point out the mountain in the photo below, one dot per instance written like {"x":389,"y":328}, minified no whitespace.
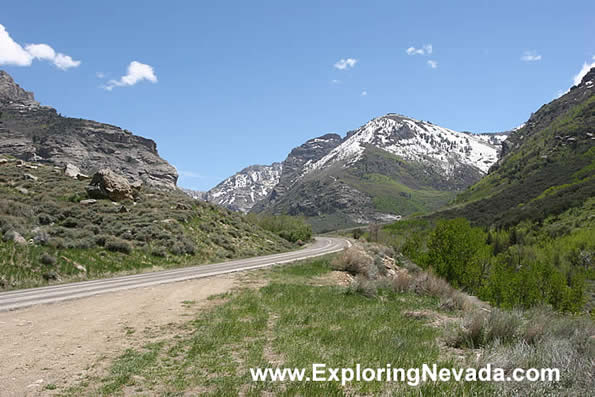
{"x":547,"y":165}
{"x":242,"y":190}
{"x":393,"y":165}
{"x":195,"y":194}
{"x":38,"y":133}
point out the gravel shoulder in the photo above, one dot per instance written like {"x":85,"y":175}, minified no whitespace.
{"x":57,"y":344}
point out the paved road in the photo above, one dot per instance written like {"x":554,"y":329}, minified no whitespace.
{"x":34,"y":296}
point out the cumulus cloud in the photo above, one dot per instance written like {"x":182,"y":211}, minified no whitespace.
{"x":364,"y":93}
{"x":530,"y":56}
{"x":432,"y":64}
{"x":12,"y":53}
{"x":47,"y":53}
{"x":137,"y":72}
{"x":584,"y":70}
{"x":343,"y":64}
{"x":426,"y":49}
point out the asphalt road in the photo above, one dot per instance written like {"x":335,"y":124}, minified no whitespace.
{"x":13,"y":300}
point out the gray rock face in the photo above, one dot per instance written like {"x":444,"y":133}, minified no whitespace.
{"x":11,"y":92}
{"x":299,"y":158}
{"x":37,"y":133}
{"x":108,"y":185}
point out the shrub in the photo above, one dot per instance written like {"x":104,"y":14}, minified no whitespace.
{"x":115,"y":244}
{"x":363,"y":286}
{"x":402,"y":282}
{"x":48,"y":259}
{"x":355,"y":261}
{"x":287,"y":227}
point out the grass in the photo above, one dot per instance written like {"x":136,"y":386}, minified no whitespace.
{"x":297,"y":320}
{"x":291,"y":322}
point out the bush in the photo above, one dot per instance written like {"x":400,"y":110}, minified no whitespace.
{"x":355,"y":261}
{"x":287,"y":227}
{"x":115,"y":244}
{"x":363,"y":286}
{"x":48,"y":259}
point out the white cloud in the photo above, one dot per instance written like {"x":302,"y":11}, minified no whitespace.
{"x":364,"y":93}
{"x":426,"y":49}
{"x":100,"y":75}
{"x":136,"y":72}
{"x":335,"y":81}
{"x":47,"y":53}
{"x":11,"y":53}
{"x":584,"y":70}
{"x":65,"y":62}
{"x":530,"y":56}
{"x":343,"y":64}
{"x":433,"y":64}
{"x":41,"y":51}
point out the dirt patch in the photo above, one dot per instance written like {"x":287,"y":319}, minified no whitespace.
{"x":434,"y":319}
{"x":58,"y":344}
{"x":335,"y":277}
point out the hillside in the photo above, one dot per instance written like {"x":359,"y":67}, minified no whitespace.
{"x":38,"y":133}
{"x":51,"y":231}
{"x":390,"y":167}
{"x":547,"y":166}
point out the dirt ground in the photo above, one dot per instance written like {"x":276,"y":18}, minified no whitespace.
{"x":58,"y":344}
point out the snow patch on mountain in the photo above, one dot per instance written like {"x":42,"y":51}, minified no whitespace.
{"x":414,"y":140}
{"x":242,"y":190}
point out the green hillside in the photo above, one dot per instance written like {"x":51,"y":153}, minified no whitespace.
{"x":549,"y":168}
{"x":51,"y":234}
{"x":524,"y":235}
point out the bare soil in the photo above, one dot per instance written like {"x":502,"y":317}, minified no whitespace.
{"x":59,"y":344}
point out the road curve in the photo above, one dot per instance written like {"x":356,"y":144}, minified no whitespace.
{"x":13,"y":300}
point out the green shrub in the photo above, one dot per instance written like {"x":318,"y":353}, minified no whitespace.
{"x":115,"y":244}
{"x":290,"y":228}
{"x":48,"y":259}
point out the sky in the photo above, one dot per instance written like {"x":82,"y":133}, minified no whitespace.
{"x":223,"y":85}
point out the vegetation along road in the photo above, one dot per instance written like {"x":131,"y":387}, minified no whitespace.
{"x":28,"y":297}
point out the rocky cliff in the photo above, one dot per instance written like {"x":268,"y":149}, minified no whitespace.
{"x":33,"y":132}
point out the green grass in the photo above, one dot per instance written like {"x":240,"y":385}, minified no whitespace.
{"x":292,"y":322}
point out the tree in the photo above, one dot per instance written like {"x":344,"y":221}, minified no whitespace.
{"x":454,"y":252}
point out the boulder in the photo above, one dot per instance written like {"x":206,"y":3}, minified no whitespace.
{"x":14,"y":236}
{"x":87,"y":202}
{"x":29,"y":176}
{"x":106,"y":184}
{"x":71,"y":170}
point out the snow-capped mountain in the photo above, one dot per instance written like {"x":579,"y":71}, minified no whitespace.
{"x":393,"y":165}
{"x":415,"y":140}
{"x":241,"y":191}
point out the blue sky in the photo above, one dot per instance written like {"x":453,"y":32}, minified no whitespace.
{"x":223,"y":85}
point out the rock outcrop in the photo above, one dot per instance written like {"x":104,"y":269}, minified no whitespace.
{"x":106,"y":184}
{"x":32,"y":132}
